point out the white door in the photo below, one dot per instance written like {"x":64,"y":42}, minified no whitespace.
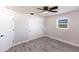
{"x":21,"y":31}
{"x":36,"y":26}
{"x":6,"y":33}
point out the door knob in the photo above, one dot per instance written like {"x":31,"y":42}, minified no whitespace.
{"x":2,"y":35}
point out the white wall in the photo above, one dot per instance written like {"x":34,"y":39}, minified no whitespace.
{"x":69,"y":35}
{"x":28,"y":27}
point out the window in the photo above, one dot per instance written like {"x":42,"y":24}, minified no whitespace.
{"x":63,"y":23}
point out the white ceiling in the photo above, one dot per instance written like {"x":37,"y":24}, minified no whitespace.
{"x":32,"y":9}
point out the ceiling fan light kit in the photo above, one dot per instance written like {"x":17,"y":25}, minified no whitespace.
{"x":46,"y":12}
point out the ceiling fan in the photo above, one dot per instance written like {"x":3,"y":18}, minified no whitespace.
{"x":47,"y":9}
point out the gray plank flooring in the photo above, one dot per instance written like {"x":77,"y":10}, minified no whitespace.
{"x":44,"y":44}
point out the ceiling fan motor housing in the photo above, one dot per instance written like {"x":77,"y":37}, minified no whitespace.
{"x":46,"y":8}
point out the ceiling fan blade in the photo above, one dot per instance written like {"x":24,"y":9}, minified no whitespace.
{"x":40,"y":12}
{"x":39,"y":8}
{"x":53,"y":11}
{"x":55,"y":7}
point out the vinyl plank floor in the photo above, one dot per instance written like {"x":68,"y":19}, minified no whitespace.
{"x":44,"y":44}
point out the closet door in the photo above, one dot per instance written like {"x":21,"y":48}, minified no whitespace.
{"x":36,"y":27}
{"x":21,"y":31}
{"x":6,"y":33}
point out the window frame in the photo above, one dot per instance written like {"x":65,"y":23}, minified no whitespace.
{"x":57,"y":23}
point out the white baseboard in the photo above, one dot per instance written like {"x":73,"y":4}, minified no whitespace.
{"x":17,"y":43}
{"x":68,"y":42}
{"x":7,"y":49}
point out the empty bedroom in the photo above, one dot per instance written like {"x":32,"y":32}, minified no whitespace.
{"x":39,"y":29}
